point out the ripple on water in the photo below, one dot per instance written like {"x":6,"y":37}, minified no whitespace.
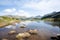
{"x":45,"y":30}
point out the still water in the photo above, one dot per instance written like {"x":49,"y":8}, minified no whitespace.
{"x":45,"y":30}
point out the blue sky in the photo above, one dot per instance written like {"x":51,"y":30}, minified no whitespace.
{"x":28,"y":7}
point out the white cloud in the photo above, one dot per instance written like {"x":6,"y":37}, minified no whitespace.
{"x":9,"y":10}
{"x":45,"y":6}
{"x":23,"y":13}
{"x":13,"y":11}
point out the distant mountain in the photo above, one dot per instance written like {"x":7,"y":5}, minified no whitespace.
{"x":52,"y":15}
{"x":34,"y":18}
{"x":38,"y":16}
{"x":15,"y":16}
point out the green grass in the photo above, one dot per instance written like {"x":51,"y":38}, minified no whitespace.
{"x":7,"y":21}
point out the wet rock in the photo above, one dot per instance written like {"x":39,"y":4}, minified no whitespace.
{"x":58,"y":36}
{"x":12,"y":32}
{"x":53,"y":38}
{"x":22,"y":26}
{"x":21,"y":39}
{"x":23,"y":35}
{"x":4,"y":39}
{"x":35,"y":31}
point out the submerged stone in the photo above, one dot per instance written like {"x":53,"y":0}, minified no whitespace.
{"x":23,"y":35}
{"x":12,"y":32}
{"x":22,"y":26}
{"x":4,"y":39}
{"x":35,"y":31}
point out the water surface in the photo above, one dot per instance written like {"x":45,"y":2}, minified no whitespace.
{"x":45,"y":30}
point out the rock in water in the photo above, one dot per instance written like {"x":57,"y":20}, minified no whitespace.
{"x":58,"y":36}
{"x":22,"y":26}
{"x":12,"y":32}
{"x":23,"y":35}
{"x":35,"y":31}
{"x":4,"y":39}
{"x":54,"y":38}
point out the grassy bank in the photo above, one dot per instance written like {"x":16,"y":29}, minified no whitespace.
{"x":2,"y":24}
{"x":4,"y":21}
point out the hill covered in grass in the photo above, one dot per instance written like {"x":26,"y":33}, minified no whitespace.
{"x":54,"y":16}
{"x":6,"y":20}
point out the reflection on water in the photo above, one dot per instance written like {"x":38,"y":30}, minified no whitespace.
{"x":45,"y":31}
{"x":54,"y":23}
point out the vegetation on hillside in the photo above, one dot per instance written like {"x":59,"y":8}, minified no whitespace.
{"x":54,"y":16}
{"x":5,"y":20}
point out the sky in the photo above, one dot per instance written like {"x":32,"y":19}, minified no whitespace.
{"x":28,"y":8}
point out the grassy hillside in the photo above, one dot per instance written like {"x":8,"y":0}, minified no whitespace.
{"x":5,"y":20}
{"x":54,"y":16}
